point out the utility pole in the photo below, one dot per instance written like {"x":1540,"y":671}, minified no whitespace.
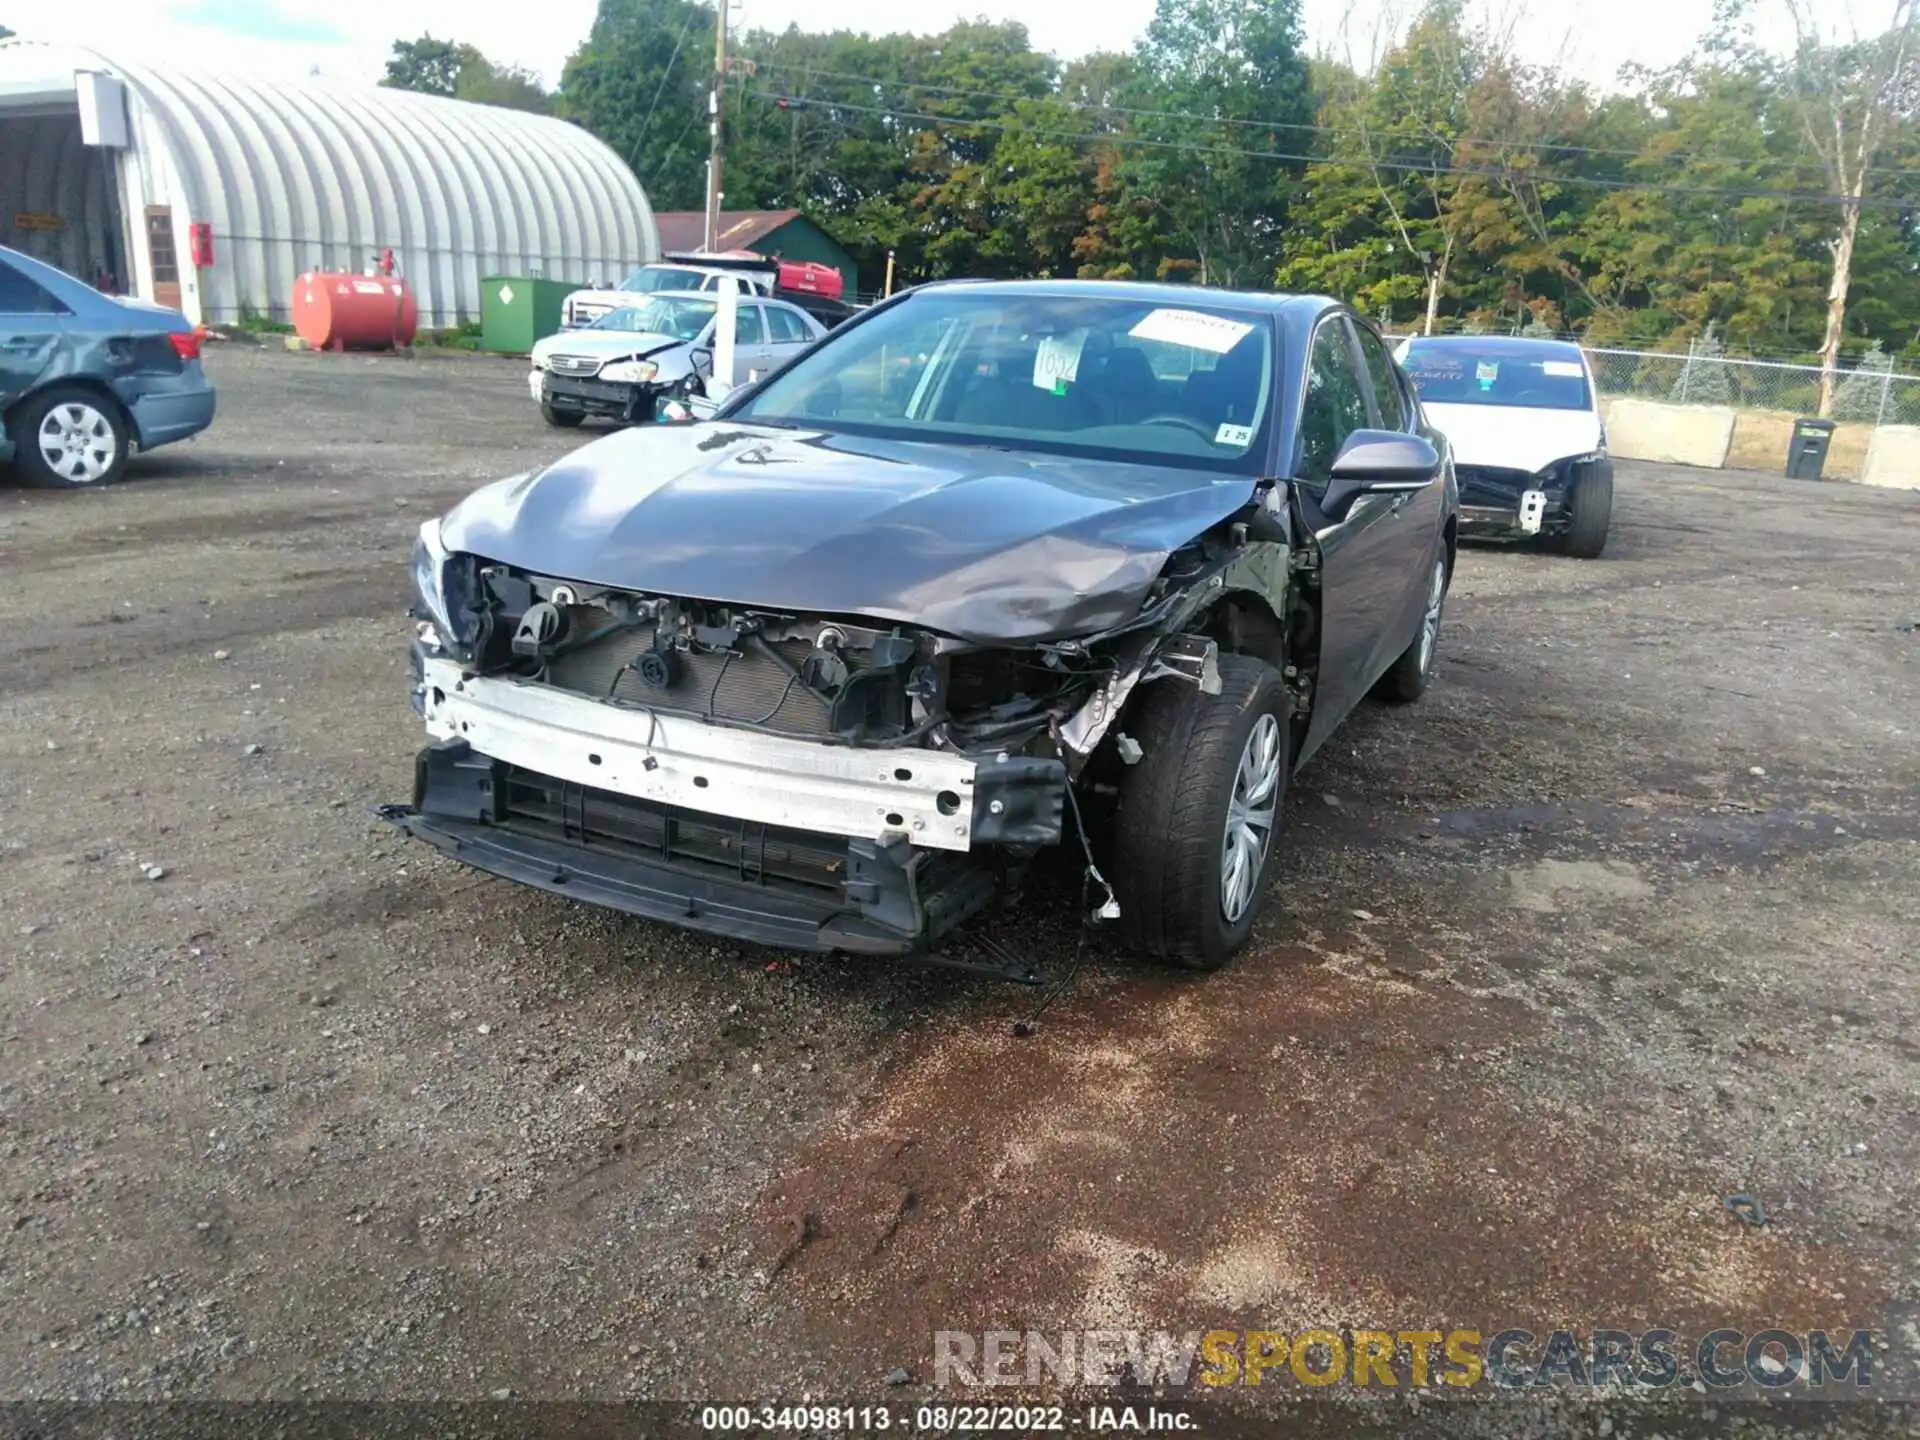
{"x":713,"y":112}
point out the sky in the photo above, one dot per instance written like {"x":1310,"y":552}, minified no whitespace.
{"x":348,"y":39}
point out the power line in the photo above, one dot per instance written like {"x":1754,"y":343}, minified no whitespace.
{"x":1402,"y":166}
{"x":1008,"y":97}
{"x":685,"y":29}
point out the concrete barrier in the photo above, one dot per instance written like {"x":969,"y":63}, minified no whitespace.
{"x":1893,"y":460}
{"x":1760,"y":439}
{"x":1670,"y":434}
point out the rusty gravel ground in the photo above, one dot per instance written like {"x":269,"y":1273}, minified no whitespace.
{"x":1620,"y":919}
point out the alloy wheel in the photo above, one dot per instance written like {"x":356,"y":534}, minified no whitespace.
{"x":1250,"y":815}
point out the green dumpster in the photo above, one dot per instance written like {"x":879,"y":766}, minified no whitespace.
{"x":516,"y":310}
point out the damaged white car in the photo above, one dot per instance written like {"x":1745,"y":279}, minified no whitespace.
{"x":1529,"y":443}
{"x":993,"y":568}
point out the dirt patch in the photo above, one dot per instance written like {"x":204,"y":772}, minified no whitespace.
{"x":1291,"y":1145}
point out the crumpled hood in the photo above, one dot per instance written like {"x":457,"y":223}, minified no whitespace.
{"x":977,"y":543}
{"x":1515,"y":437}
{"x":602,"y":344}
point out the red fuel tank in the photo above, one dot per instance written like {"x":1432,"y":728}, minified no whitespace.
{"x":367,"y":312}
{"x":810,"y":277}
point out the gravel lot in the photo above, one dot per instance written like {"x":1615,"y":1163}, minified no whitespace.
{"x":1621,"y":919}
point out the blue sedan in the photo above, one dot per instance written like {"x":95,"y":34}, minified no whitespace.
{"x":85,"y":378}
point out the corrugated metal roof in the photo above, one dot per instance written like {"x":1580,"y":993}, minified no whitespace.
{"x":686,"y":230}
{"x":314,"y":174}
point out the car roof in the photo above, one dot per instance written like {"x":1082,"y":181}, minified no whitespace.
{"x":1501,"y":344}
{"x":1152,"y":292}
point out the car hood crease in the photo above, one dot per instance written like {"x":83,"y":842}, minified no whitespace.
{"x":981,"y":544}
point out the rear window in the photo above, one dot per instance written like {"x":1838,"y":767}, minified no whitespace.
{"x":1524,"y":376}
{"x":21,"y":296}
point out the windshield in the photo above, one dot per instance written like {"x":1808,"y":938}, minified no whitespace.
{"x":1534,"y":377}
{"x":1082,"y":375}
{"x":681,"y":317}
{"x":649,"y":279}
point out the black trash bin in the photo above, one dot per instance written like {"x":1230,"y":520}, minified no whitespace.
{"x":1807,"y":450}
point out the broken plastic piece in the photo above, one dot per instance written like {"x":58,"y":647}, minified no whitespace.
{"x":1129,"y":748}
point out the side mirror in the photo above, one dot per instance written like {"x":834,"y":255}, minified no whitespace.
{"x":701,"y":359}
{"x":1378,"y":462}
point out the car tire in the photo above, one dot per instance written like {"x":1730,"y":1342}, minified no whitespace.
{"x":1180,"y":899}
{"x":1589,"y":512}
{"x":560,"y":419}
{"x":1407,"y":679}
{"x":69,"y":438}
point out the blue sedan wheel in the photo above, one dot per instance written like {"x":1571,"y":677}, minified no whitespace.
{"x":71,"y":437}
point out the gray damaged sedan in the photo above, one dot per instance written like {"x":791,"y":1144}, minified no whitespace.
{"x":86,"y":379}
{"x":993,"y":568}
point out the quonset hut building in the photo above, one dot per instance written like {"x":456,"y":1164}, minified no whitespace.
{"x":107,"y":167}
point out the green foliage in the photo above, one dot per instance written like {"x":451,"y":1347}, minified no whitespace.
{"x":430,"y":66}
{"x":253,"y":322}
{"x":1451,"y":175}
{"x":1860,"y":394}
{"x":639,"y":81}
{"x":455,"y":71}
{"x":1704,"y":379}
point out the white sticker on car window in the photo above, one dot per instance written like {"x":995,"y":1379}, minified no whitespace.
{"x":1233,"y":435}
{"x":1056,"y":364}
{"x":1486,"y":372}
{"x":1192,"y":329}
{"x":1567,"y":369}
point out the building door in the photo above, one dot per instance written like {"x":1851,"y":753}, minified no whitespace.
{"x":165,"y":258}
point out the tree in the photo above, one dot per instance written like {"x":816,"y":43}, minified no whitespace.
{"x":1704,"y":379}
{"x":1862,"y":393}
{"x":508,"y":86}
{"x":1850,"y":92}
{"x":1215,"y":74}
{"x":458,"y":71}
{"x":1403,"y":178}
{"x":430,"y":66}
{"x":639,"y":81}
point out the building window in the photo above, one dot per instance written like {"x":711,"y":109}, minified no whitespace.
{"x":166,"y":264}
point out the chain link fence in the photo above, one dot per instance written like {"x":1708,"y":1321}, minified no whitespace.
{"x":1870,"y":395}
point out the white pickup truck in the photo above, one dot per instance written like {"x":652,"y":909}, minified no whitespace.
{"x":815,"y":288}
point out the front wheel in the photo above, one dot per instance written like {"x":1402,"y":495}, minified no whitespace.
{"x":71,"y":437}
{"x":1589,"y":513}
{"x":562,"y":419}
{"x":1194,"y":825}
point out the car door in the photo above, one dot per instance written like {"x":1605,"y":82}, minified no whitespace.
{"x":751,"y":352}
{"x":1422,"y":514}
{"x":788,"y":334}
{"x":31,"y":333}
{"x":1361,"y":552}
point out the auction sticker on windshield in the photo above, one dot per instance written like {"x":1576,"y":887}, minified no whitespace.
{"x":1056,"y":364}
{"x":1567,"y":369}
{"x":1192,"y":329}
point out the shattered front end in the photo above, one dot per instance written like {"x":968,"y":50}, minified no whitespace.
{"x":812,"y":782}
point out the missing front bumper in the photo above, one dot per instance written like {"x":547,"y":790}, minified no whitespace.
{"x":776,"y":839}
{"x":746,"y":880}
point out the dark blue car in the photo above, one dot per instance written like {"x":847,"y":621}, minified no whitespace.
{"x":86,"y":379}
